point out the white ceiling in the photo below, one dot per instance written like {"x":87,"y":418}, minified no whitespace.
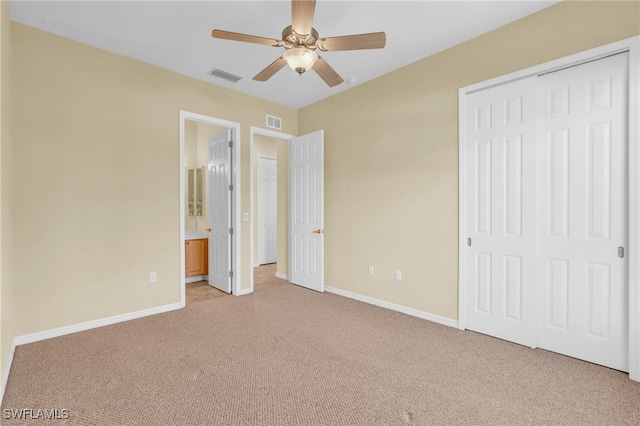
{"x":176,"y":35}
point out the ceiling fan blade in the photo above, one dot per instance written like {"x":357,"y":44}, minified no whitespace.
{"x":353,"y":42}
{"x":302,"y":15}
{"x":228,"y":35}
{"x":269,"y":71}
{"x":327,"y":73}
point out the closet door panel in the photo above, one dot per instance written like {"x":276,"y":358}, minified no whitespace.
{"x":582,"y":189}
{"x":500,"y":199}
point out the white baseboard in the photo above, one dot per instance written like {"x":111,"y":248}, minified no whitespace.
{"x":244,"y":291}
{"x":282,"y":276}
{"x":196,"y":279}
{"x":69,"y":329}
{"x":398,"y":308}
{"x":5,"y":377}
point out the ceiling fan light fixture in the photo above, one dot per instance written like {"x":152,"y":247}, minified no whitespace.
{"x":300,"y":59}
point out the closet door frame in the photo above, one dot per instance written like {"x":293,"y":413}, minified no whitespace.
{"x":631,"y":45}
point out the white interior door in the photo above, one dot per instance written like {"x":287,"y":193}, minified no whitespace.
{"x":582,"y":149}
{"x":500,"y":201}
{"x":306,"y":246}
{"x":219,"y":173}
{"x":267,"y":210}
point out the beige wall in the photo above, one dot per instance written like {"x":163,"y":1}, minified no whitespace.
{"x":391,"y":153}
{"x":95,"y":178}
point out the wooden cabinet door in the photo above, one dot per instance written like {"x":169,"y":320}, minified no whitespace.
{"x":196,"y":257}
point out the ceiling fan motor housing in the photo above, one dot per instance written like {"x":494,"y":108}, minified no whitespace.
{"x":292,"y":39}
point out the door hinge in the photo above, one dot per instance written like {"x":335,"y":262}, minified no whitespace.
{"x":230,"y":274}
{"x":231,"y":187}
{"x":230,"y":144}
{"x":230,"y":231}
{"x":620,"y":252}
{"x":469,"y":241}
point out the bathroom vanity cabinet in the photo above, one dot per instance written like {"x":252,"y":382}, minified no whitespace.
{"x":196,"y":257}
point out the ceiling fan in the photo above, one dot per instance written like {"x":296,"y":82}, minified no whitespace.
{"x":301,"y":40}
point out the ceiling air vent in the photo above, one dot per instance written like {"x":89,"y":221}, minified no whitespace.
{"x":224,"y":75}
{"x":274,"y":122}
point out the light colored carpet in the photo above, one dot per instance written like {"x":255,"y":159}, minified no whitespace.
{"x":201,"y":290}
{"x":290,"y":356}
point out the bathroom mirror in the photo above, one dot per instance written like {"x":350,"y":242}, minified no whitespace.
{"x":199,"y":191}
{"x":191,"y":196}
{"x":195,"y":191}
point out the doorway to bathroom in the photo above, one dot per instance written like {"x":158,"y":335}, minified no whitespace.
{"x":208,"y":205}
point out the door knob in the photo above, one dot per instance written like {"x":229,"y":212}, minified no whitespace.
{"x":207,"y":229}
{"x":317,"y":231}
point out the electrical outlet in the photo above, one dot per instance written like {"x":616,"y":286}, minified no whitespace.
{"x":370,"y":269}
{"x":153,"y":277}
{"x":398,"y":275}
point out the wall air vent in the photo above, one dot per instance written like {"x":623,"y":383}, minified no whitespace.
{"x":274,"y":122}
{"x":224,"y":75}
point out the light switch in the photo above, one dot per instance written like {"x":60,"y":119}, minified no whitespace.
{"x":246,"y":217}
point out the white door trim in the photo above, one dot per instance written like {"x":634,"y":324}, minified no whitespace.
{"x":235,"y":198}
{"x":252,"y":220}
{"x":631,"y":45}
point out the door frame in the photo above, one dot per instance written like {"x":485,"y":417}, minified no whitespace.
{"x":253,"y":130}
{"x":260,"y":249}
{"x":631,"y":45}
{"x":235,"y":197}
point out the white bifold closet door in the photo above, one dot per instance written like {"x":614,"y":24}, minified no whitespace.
{"x":546,"y":201}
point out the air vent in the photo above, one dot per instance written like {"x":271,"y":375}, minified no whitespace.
{"x":274,"y":122}
{"x":224,"y":75}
